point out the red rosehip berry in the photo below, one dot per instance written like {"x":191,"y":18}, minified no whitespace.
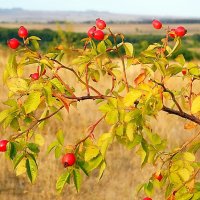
{"x":156,"y":24}
{"x":158,"y":176}
{"x":147,"y":198}
{"x":23,"y":32}
{"x":180,"y":31}
{"x":3,"y":144}
{"x":91,"y":31}
{"x":99,"y":35}
{"x":68,"y":159}
{"x":35,"y":76}
{"x":101,"y":24}
{"x":184,"y":71}
{"x":13,"y":43}
{"x":172,"y":33}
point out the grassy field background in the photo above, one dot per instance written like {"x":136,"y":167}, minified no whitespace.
{"x":123,"y":173}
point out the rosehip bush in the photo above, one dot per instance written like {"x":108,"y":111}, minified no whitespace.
{"x":127,"y":106}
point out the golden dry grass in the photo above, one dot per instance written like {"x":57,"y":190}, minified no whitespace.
{"x":122,"y":175}
{"x":119,"y":28}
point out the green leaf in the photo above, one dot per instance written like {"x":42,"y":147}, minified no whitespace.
{"x":148,"y":188}
{"x":12,"y":150}
{"x":128,"y":48}
{"x":18,"y":158}
{"x":60,"y":137}
{"x":31,"y":169}
{"x":176,"y":46}
{"x":58,"y":151}
{"x":180,"y":59}
{"x":184,"y":174}
{"x":130,"y":130}
{"x":101,"y":171}
{"x":32,"y":103}
{"x":104,"y":141}
{"x":48,"y":94}
{"x":112,"y":117}
{"x":33,"y":147}
{"x":39,"y":139}
{"x":77,"y":179}
{"x":35,"y":44}
{"x":93,"y":164}
{"x":33,"y":38}
{"x":91,"y":152}
{"x":189,"y":156}
{"x":4,"y":114}
{"x":131,"y":97}
{"x":56,"y":83}
{"x":195,"y":105}
{"x":62,"y":180}
{"x":52,"y":146}
{"x":101,"y":47}
{"x":81,"y":164}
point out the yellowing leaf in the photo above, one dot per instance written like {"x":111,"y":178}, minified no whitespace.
{"x":91,"y":152}
{"x":32,"y":103}
{"x":131,"y":97}
{"x":196,"y":105}
{"x":190,"y":125}
{"x":139,"y":79}
{"x":128,"y":48}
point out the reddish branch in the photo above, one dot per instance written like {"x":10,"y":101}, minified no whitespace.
{"x":90,"y":135}
{"x":78,"y":77}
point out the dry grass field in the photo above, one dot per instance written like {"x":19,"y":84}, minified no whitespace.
{"x":122,"y":174}
{"x":122,"y":28}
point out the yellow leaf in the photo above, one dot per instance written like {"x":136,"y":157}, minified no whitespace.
{"x":196,"y":105}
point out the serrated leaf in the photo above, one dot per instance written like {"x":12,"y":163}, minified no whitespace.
{"x":180,"y":59}
{"x":93,"y":164}
{"x":101,"y":171}
{"x":91,"y":152}
{"x":101,"y":47}
{"x":17,"y":85}
{"x":130,"y":130}
{"x":104,"y":141}
{"x":31,"y":169}
{"x":128,"y":48}
{"x":60,"y":136}
{"x":11,"y":150}
{"x":131,"y":97}
{"x":112,"y":117}
{"x":18,"y":158}
{"x":21,"y":167}
{"x":33,"y":38}
{"x":32,"y":103}
{"x":33,"y":147}
{"x":52,"y":146}
{"x":195,"y":105}
{"x":77,"y":179}
{"x":56,"y":83}
{"x":39,"y":139}
{"x":189,"y":156}
{"x":62,"y":180}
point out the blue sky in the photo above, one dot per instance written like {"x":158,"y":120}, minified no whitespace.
{"x":185,"y":8}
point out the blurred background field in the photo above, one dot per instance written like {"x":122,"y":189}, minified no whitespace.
{"x":123,"y":173}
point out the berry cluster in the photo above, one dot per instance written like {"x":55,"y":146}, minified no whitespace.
{"x":22,"y":33}
{"x":95,"y":33}
{"x":174,"y":32}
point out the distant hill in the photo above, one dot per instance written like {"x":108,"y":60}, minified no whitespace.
{"x":20,"y":15}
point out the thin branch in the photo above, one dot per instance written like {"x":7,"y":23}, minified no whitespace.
{"x":171,"y":93}
{"x":181,"y":114}
{"x":78,"y":77}
{"x":35,"y":123}
{"x":91,"y":128}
